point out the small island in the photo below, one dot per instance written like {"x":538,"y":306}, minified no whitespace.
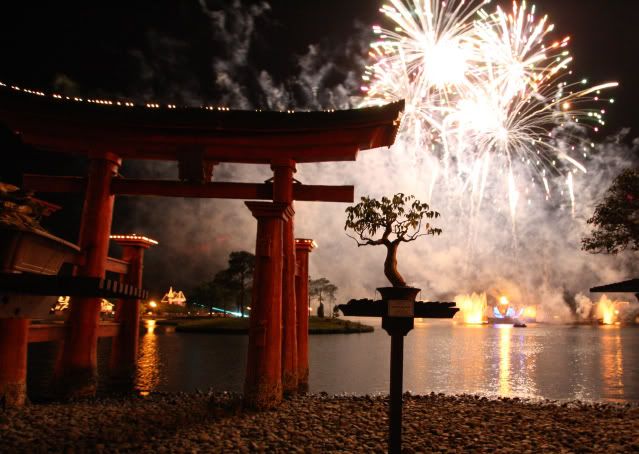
{"x":237,"y":325}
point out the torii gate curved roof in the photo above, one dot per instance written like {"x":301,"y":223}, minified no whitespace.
{"x":74,"y":125}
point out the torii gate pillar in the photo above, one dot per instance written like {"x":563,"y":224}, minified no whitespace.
{"x":76,"y":371}
{"x":303,"y":247}
{"x":14,"y":334}
{"x":283,"y":170}
{"x":263,"y":383}
{"x":124,"y":349}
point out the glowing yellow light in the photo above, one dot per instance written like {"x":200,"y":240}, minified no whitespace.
{"x":153,"y":304}
{"x":607,"y":310}
{"x":530,"y":312}
{"x":472,"y":308}
{"x":133,"y":237}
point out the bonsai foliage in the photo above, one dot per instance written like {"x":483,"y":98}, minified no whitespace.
{"x":616,"y":219}
{"x":401,"y":219}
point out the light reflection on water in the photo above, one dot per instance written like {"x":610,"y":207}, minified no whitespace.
{"x":505,"y":373}
{"x":612,"y":363}
{"x":147,"y":377}
{"x":599,"y":363}
{"x":541,"y":361}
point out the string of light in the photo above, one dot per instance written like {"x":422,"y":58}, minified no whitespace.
{"x":127,"y":103}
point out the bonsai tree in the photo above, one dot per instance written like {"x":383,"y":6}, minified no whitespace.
{"x":616,"y":218}
{"x":399,"y":220}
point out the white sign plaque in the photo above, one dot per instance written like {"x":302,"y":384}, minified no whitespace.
{"x":401,"y":308}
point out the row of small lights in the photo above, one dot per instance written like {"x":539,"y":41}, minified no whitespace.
{"x":133,"y":238}
{"x":108,"y":102}
{"x":306,"y":241}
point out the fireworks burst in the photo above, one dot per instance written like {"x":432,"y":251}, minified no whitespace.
{"x":486,"y":93}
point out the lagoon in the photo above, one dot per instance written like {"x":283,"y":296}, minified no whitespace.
{"x":556,"y":362}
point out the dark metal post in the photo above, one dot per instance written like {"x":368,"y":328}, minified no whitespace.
{"x":396,"y":379}
{"x":398,"y":310}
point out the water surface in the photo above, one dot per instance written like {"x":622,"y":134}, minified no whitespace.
{"x":596,"y":363}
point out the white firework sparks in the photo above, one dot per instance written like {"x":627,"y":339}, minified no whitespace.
{"x":484,"y":91}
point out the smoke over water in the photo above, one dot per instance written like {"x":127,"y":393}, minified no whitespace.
{"x":534,"y":258}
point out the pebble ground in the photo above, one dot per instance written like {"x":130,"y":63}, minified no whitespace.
{"x":215,"y":423}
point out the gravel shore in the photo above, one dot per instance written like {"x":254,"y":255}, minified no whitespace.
{"x":203,"y":422}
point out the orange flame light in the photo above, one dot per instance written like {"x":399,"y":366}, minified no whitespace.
{"x":529,"y":313}
{"x":472,"y":308}
{"x":607,"y":311}
{"x":503,"y":305}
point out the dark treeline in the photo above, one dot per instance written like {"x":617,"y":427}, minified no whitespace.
{"x":230,"y":288}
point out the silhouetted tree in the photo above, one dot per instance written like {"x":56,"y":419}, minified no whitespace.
{"x":215,"y":293}
{"x":616,"y":219}
{"x":241,"y":267}
{"x":231,"y":284}
{"x":398,"y":220}
{"x":322,"y":289}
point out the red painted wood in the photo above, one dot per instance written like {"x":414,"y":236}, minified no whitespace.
{"x":283,"y":193}
{"x":49,"y":332}
{"x":117,"y":266}
{"x":125,"y":345}
{"x":244,"y":191}
{"x":302,"y":249}
{"x":289,"y":313}
{"x":223,"y":136}
{"x":47,"y":183}
{"x":14,"y":333}
{"x":76,"y":371}
{"x":263,"y":382}
{"x":54,"y":332}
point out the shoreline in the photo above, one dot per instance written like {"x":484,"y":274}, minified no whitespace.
{"x":215,"y":422}
{"x":239,"y":326}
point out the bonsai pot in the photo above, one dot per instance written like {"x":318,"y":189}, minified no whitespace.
{"x":399,"y":293}
{"x":30,"y":251}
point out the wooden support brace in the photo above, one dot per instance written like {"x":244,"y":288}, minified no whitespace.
{"x":215,"y":190}
{"x":40,"y":284}
{"x":54,"y":332}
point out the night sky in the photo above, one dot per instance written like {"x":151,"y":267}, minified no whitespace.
{"x":110,"y":51}
{"x":166,"y":51}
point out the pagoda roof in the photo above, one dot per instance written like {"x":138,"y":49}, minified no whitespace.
{"x":168,"y":132}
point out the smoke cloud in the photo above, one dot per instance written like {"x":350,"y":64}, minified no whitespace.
{"x":534,"y":258}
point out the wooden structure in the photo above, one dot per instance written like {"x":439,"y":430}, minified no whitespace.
{"x":124,"y":350}
{"x":303,"y":247}
{"x":28,"y":281}
{"x":197,"y":139}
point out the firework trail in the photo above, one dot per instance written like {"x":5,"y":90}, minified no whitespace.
{"x":487,"y":95}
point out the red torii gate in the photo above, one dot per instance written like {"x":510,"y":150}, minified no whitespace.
{"x":106,"y":132}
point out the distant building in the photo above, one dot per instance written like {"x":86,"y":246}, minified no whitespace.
{"x":173,"y":297}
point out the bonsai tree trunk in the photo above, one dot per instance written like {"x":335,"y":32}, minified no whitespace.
{"x":390,"y":265}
